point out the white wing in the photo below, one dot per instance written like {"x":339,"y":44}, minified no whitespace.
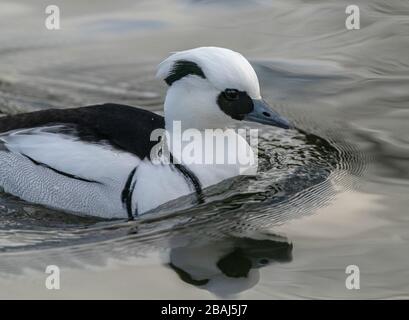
{"x":67,"y":153}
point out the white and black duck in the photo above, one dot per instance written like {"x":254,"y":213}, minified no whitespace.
{"x":95,"y":160}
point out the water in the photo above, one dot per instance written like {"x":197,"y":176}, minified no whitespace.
{"x":331,"y":194}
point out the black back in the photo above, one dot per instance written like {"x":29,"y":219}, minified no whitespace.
{"x":124,"y":127}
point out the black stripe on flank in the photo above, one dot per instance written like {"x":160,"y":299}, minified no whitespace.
{"x":58,"y":171}
{"x":126,"y":195}
{"x":192,"y":180}
{"x":183,"y":68}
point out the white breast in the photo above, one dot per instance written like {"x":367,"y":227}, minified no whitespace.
{"x":156,"y":185}
{"x":213,"y":162}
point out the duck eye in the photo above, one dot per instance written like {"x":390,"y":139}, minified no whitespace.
{"x":231,"y":94}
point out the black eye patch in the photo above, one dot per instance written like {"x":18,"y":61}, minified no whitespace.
{"x":235,"y":103}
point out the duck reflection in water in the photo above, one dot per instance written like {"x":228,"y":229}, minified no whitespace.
{"x":228,"y":266}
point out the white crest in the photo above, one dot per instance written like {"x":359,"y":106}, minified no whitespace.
{"x":223,"y":68}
